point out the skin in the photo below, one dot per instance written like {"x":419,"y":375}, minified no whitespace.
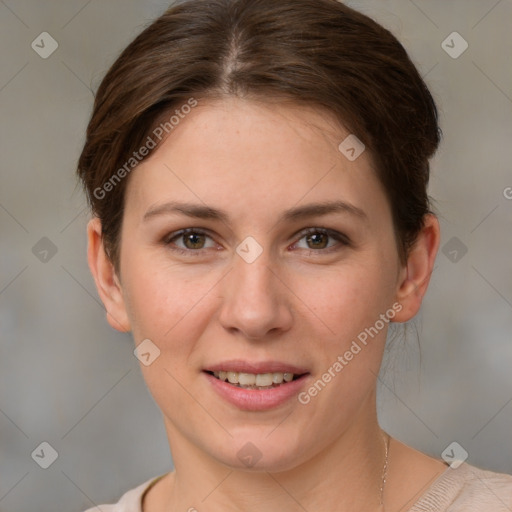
{"x":297,"y":302}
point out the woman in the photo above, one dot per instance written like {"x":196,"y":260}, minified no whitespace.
{"x":257,"y":172}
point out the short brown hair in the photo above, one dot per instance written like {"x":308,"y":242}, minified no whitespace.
{"x":318,"y":52}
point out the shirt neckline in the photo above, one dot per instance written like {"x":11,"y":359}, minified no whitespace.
{"x":146,"y":490}
{"x":449,"y":474}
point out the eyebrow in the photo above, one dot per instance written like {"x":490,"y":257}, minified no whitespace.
{"x":300,"y":212}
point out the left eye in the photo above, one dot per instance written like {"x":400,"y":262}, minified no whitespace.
{"x":318,"y":238}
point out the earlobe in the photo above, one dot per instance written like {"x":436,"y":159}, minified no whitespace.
{"x":415,"y":275}
{"x":107,"y":282}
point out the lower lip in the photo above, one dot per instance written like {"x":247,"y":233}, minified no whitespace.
{"x":254,"y":399}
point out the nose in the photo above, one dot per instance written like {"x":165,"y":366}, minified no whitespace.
{"x":256,"y":301}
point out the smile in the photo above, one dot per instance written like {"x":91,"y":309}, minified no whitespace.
{"x":255,"y":380}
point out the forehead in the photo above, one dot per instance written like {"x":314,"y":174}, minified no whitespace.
{"x":254,"y":158}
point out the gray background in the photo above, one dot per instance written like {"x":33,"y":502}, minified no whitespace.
{"x":68,"y":379}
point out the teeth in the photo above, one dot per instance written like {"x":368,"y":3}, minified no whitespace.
{"x":264,"y":379}
{"x":247,"y":379}
{"x":251,"y":380}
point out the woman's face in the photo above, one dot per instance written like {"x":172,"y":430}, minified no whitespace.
{"x":265,"y":282}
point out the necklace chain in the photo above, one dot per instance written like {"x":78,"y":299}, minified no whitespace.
{"x":385,"y":468}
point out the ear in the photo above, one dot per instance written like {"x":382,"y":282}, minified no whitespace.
{"x":107,"y":282}
{"x":415,"y":275}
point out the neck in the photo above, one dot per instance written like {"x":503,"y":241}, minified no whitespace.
{"x":345,"y":475}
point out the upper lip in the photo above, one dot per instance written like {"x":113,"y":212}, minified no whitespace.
{"x":240,"y":366}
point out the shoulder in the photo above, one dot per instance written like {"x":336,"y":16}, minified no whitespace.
{"x":130,"y":501}
{"x":467,"y":489}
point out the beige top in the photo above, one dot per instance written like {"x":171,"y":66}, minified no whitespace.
{"x":465,"y":489}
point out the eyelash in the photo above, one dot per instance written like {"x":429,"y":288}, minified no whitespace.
{"x":339,"y":237}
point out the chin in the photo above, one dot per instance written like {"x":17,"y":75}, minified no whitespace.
{"x":263,"y":452}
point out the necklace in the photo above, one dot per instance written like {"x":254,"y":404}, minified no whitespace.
{"x":385,"y":468}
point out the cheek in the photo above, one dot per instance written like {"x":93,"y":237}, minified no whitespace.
{"x":343,"y":301}
{"x":167,"y":303}
{"x":345,"y":320}
{"x":172,"y":310}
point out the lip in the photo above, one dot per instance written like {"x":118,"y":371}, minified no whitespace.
{"x":254,"y":399}
{"x":238,"y":365}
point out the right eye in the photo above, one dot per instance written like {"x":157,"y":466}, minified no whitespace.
{"x":193,"y":240}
